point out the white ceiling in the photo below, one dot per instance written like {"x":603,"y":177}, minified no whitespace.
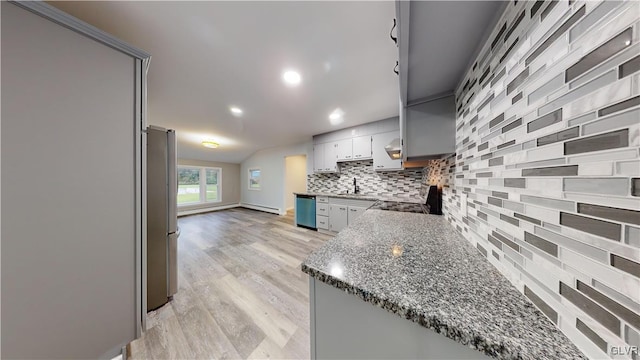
{"x":207,"y":56}
{"x":444,"y":36}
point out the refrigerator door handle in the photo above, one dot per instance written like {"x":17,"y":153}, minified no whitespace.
{"x":172,"y":278}
{"x":172,"y":175}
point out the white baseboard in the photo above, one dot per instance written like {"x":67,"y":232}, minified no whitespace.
{"x":262,"y":208}
{"x":208,"y":209}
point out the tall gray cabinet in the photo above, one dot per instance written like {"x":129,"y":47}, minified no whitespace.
{"x":73,"y":106}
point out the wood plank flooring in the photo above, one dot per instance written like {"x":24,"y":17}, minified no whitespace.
{"x":241,"y":292}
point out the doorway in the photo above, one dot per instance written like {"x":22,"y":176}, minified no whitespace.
{"x":295,"y":170}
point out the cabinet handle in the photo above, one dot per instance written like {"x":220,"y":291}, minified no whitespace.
{"x":343,"y":208}
{"x":353,"y":209}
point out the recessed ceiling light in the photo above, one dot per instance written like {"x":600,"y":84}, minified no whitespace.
{"x":336,"y":117}
{"x":291,"y":77}
{"x":628,"y":42}
{"x":210,"y":144}
{"x":235,"y":110}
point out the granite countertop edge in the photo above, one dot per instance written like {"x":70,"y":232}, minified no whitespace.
{"x":473,"y":341}
{"x":415,"y":199}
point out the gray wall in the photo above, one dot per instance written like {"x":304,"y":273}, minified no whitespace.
{"x":230,"y":183}
{"x":68,"y":192}
{"x":548,"y":164}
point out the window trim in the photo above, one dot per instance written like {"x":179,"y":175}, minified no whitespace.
{"x":249,"y":179}
{"x":202,"y":179}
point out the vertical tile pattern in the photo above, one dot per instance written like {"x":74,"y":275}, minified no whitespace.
{"x":552,"y":188}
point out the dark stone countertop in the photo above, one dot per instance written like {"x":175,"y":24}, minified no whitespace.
{"x":418,"y":267}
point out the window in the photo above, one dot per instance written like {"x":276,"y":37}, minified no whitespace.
{"x":199,"y":185}
{"x":254,"y":179}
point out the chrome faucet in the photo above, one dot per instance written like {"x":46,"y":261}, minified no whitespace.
{"x":356,"y":188}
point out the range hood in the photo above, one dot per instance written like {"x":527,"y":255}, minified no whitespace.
{"x":394,"y":149}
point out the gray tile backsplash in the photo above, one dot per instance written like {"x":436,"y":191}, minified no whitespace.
{"x":611,"y":213}
{"x":553,"y":188}
{"x":407,"y":183}
{"x":634,"y":101}
{"x":596,"y":311}
{"x":627,"y":265}
{"x":543,"y":306}
{"x":611,"y":140}
{"x":625,"y":313}
{"x":592,"y":335}
{"x":602,"y":228}
{"x":601,"y":53}
{"x":630,"y":67}
{"x":544,"y":121}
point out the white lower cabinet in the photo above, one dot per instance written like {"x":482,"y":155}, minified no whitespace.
{"x":342,"y":212}
{"x":322,"y":222}
{"x":338,"y":217}
{"x":354,"y":213}
{"x":322,"y":213}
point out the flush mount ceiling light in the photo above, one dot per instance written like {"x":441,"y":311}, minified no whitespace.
{"x":210,"y":144}
{"x":291,"y":77}
{"x":336,"y":117}
{"x":235,"y":110}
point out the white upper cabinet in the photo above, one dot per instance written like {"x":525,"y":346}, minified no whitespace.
{"x":362,"y":147}
{"x":345,"y":150}
{"x":318,"y":158}
{"x":325,"y":157}
{"x":331,"y":157}
{"x":381,"y":160}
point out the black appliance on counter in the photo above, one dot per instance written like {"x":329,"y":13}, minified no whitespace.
{"x":432,"y":206}
{"x":434,"y":200}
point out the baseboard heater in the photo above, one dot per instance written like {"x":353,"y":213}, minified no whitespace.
{"x":262,"y":208}
{"x":207,"y":209}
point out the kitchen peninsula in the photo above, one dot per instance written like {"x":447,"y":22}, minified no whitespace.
{"x":418,"y":268}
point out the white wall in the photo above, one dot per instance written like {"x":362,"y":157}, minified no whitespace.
{"x":272,"y":165}
{"x":295,"y":178}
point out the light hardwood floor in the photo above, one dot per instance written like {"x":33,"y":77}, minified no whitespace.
{"x":241,"y":292}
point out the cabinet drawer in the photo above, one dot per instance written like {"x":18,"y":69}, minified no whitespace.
{"x":322,"y":222}
{"x":322,"y":199}
{"x":322,"y":209}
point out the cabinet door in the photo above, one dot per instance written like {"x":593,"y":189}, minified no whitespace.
{"x":381,"y":160}
{"x":345,"y":150}
{"x":354,"y":213}
{"x":362,"y":147}
{"x":330,"y":157}
{"x":318,"y":158}
{"x":338,"y":217}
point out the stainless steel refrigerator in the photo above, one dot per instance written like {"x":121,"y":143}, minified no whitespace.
{"x":162,"y":219}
